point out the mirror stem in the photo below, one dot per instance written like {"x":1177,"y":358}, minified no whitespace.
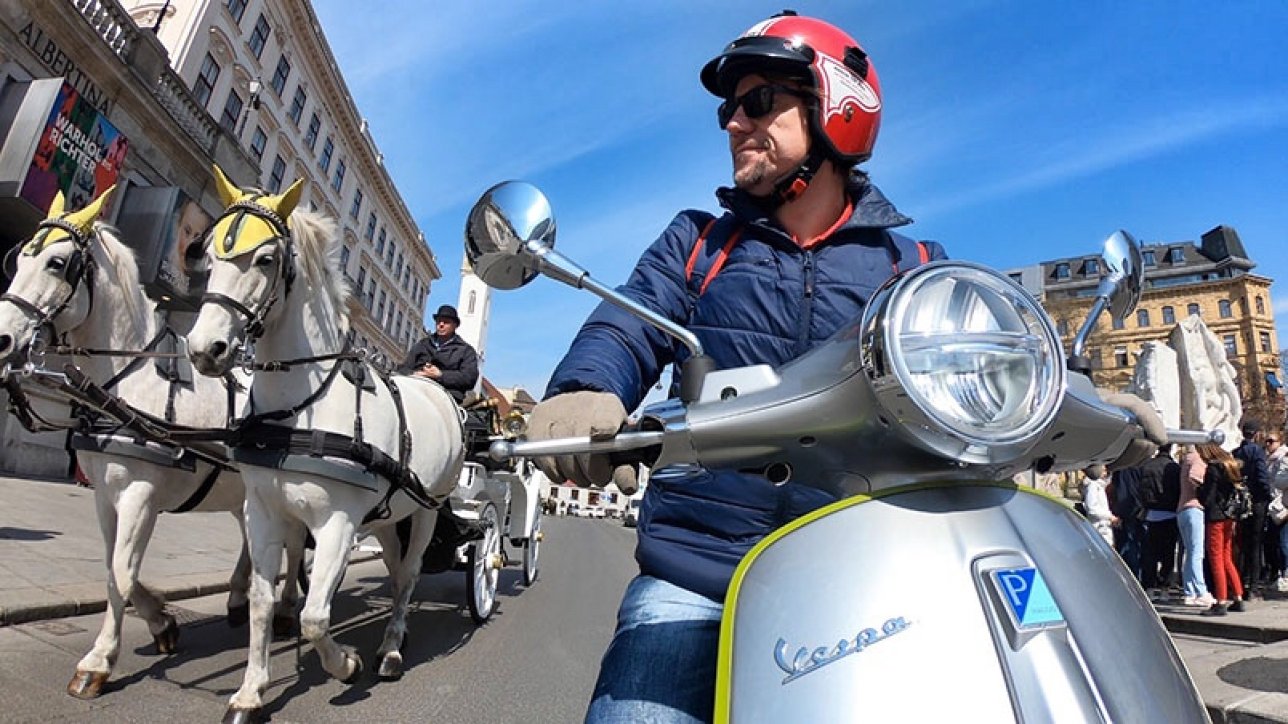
{"x":561,"y":268}
{"x":1078,"y":361}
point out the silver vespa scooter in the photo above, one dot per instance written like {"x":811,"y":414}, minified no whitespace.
{"x":935,"y":589}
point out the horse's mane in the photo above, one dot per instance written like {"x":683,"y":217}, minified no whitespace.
{"x":317,"y":242}
{"x":120,"y":268}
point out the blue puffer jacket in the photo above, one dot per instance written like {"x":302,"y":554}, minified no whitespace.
{"x":770,"y":302}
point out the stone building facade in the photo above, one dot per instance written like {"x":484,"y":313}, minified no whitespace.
{"x":264,"y":71}
{"x":1212,"y":278}
{"x":149,"y":76}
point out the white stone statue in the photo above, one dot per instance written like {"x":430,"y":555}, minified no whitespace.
{"x":1209,"y":396}
{"x":1157,"y":381}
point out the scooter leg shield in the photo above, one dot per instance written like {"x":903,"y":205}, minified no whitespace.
{"x":943,"y":601}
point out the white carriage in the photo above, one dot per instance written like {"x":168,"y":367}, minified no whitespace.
{"x":504,"y":500}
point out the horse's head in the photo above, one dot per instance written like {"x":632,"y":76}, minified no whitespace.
{"x":53,"y":277}
{"x":251,"y":259}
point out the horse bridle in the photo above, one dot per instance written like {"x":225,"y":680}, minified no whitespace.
{"x":254,"y":318}
{"x":80,"y":268}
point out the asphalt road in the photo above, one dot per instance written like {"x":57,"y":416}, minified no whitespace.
{"x":535,"y":661}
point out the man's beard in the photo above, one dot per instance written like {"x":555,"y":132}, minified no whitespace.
{"x":749,"y":177}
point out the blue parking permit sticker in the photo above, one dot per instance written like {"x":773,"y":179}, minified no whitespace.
{"x":1026,"y":592}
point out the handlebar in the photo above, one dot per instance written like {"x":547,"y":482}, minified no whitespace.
{"x":502,"y":450}
{"x":1195,"y":437}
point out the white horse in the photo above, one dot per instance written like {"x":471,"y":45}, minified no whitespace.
{"x":277,"y":274}
{"x":76,"y":276}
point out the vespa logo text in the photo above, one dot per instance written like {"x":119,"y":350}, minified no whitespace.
{"x":806,"y":661}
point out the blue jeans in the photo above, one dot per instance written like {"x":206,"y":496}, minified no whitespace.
{"x":1283,"y":548}
{"x":661,"y":665}
{"x":1190,"y":521}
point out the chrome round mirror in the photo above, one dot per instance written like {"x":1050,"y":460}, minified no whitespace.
{"x":1125,"y":268}
{"x":507,"y":216}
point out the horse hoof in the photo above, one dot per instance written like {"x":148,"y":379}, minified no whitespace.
{"x":238,"y":615}
{"x":391,"y":667}
{"x":243,"y":716}
{"x":168,"y":640}
{"x":283,"y":625}
{"x":87,"y":684}
{"x":357,"y":669}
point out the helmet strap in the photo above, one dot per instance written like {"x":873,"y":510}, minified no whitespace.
{"x":793,"y":185}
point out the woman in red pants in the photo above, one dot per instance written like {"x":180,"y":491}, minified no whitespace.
{"x":1223,"y":475}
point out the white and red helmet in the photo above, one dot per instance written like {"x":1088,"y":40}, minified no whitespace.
{"x":848,"y":114}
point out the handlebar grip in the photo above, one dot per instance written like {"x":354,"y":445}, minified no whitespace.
{"x":1195,"y":437}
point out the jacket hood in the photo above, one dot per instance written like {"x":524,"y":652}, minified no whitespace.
{"x":872,"y":210}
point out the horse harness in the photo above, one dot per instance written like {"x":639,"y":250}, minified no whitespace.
{"x":151,"y":441}
{"x":259,"y":439}
{"x":80,"y":268}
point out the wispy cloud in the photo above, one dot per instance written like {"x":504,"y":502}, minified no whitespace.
{"x":1093,"y":152}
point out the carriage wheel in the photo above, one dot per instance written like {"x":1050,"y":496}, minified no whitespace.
{"x":483,"y":569}
{"x":531,"y":549}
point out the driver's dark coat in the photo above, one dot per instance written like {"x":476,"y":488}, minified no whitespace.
{"x":454,"y":357}
{"x":771,"y":302}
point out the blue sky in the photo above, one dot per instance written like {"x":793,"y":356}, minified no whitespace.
{"x":1013,"y":132}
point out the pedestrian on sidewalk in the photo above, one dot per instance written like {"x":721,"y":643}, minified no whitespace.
{"x":1096,"y":503}
{"x":1277,"y":511}
{"x":1160,"y":492}
{"x":1216,"y":493}
{"x":1189,"y":518}
{"x":1252,"y":530}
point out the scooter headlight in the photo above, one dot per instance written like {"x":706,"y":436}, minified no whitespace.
{"x":966,"y":360}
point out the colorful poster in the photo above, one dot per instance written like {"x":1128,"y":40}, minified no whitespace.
{"x":79,"y":153}
{"x":187,"y":223}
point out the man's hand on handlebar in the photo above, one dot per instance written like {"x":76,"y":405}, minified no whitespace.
{"x":598,"y":415}
{"x":1140,"y":449}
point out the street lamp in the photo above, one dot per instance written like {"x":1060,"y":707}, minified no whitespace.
{"x":255,"y":87}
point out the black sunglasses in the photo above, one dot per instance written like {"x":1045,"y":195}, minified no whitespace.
{"x":756,"y":102}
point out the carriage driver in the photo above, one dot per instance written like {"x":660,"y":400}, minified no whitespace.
{"x":444,"y":357}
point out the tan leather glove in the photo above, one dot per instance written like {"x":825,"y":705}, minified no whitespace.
{"x":577,"y":414}
{"x":1139,"y":450}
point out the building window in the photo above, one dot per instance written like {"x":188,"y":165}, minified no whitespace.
{"x":362,"y":277}
{"x":380,"y":309}
{"x":1017,"y":277}
{"x":344,"y":259}
{"x":259,"y":36}
{"x":1243,"y":306}
{"x":236,"y":8}
{"x":1118,"y":323}
{"x":1175,"y":255}
{"x":1142,"y":317}
{"x":1261,"y":305}
{"x":1148,"y":255}
{"x":280,"y":75}
{"x":338,"y":181}
{"x":1062,"y":271}
{"x":275,"y":177}
{"x":257,"y":142}
{"x":1091,"y":268}
{"x":389,"y":255}
{"x":206,"y":80}
{"x":1193,"y":309}
{"x":297,"y":105}
{"x":356,"y":207}
{"x":311,"y":135}
{"x":1265,"y":342}
{"x":469,"y":308}
{"x":1120,"y":356}
{"x":371,"y":226}
{"x":1169,"y":315}
{"x":328,"y":149}
{"x":232,"y":111}
{"x":371,"y":292}
{"x":1231,"y":345}
{"x":380,"y":243}
{"x":1223,"y":309}
{"x":1096,"y":362}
